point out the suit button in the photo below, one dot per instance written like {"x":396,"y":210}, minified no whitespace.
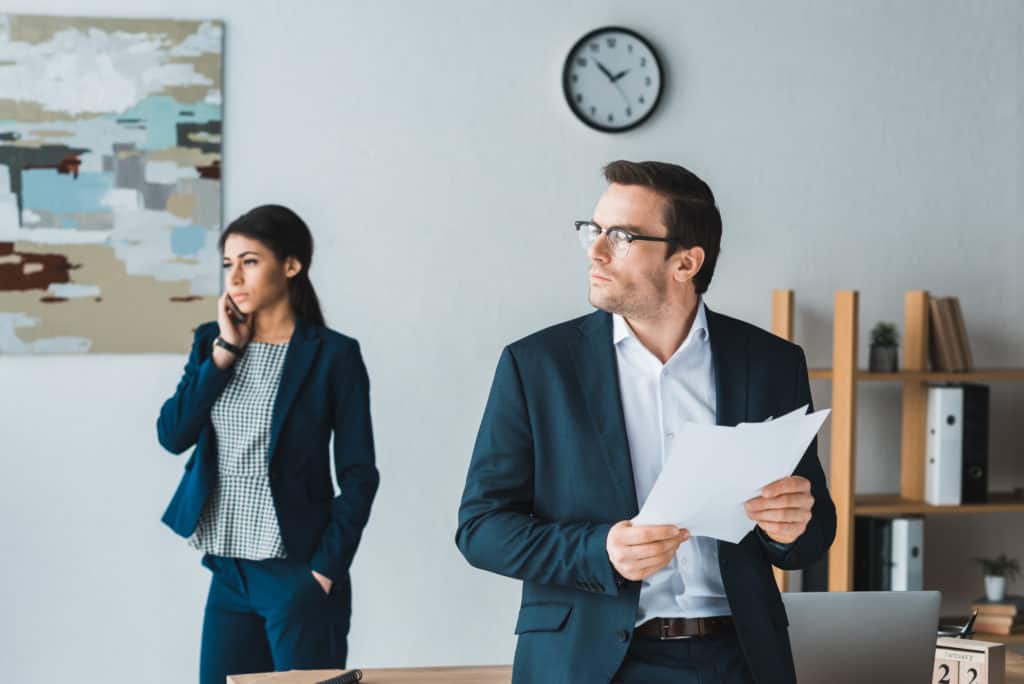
{"x":623,"y":636}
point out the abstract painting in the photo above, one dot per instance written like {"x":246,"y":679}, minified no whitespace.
{"x":110,"y":182}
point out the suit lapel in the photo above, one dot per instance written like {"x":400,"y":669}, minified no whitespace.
{"x":594,"y":355}
{"x":298,"y":360}
{"x":729,"y":358}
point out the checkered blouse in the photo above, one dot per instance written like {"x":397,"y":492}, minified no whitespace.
{"x":239,"y":519}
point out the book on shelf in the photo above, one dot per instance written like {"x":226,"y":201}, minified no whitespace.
{"x":950,"y":349}
{"x":961,"y":329}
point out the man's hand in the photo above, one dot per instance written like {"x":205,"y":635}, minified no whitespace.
{"x":324,"y":582}
{"x":783,"y":509}
{"x":638,"y":551}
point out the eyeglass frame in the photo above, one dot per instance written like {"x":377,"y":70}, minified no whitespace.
{"x":630,"y":237}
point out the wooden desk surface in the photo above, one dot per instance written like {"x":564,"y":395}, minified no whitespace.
{"x":1014,"y":651}
{"x":500,"y":674}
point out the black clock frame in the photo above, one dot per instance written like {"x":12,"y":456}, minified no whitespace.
{"x":565,"y":79}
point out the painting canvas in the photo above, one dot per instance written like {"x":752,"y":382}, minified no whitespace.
{"x":110,"y":182}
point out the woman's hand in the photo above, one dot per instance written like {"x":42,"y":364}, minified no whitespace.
{"x":324,"y":582}
{"x":231,"y":332}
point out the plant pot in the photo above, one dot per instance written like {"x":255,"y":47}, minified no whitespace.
{"x":995,"y":588}
{"x":883,"y":359}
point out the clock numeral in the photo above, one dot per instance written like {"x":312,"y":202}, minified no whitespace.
{"x":579,"y":97}
{"x":611,"y":42}
{"x":582,"y":61}
{"x":629,"y":111}
{"x":629,"y":48}
{"x":594,"y":47}
{"x":593,"y":111}
{"x":643,"y":61}
{"x":647,"y":81}
{"x":575,"y":78}
{"x":611,"y":118}
{"x":641,"y":99}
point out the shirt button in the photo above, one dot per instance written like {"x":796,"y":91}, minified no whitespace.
{"x":623,"y":636}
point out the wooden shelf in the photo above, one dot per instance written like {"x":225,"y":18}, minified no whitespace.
{"x":845,"y":379}
{"x":894,"y":504}
{"x":979,"y":375}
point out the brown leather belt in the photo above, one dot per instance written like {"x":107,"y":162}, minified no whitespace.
{"x":681,"y":628}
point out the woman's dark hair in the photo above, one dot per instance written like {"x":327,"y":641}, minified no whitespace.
{"x":286,"y":235}
{"x":691,"y":216}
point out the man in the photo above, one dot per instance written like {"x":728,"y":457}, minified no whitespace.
{"x":579,"y":421}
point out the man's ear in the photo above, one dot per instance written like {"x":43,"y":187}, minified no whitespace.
{"x":689,"y":263}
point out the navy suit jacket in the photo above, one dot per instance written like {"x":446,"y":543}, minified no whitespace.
{"x":551,"y":473}
{"x":324,"y":388}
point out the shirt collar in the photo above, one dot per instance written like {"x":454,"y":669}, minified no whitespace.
{"x":622,"y":331}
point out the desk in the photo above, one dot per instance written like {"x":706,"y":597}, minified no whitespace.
{"x":500,"y":674}
{"x":1014,"y":657}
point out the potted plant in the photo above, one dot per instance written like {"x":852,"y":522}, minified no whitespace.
{"x":997,"y":571}
{"x":884,"y":349}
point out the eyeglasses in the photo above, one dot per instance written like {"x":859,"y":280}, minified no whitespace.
{"x":619,"y":239}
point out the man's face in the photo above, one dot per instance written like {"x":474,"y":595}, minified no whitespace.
{"x":635,"y":286}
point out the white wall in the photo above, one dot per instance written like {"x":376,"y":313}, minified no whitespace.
{"x":870,"y":145}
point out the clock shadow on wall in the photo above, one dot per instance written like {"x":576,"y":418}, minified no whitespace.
{"x":613,"y":79}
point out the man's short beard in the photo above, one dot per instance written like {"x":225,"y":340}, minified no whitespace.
{"x":630,"y":304}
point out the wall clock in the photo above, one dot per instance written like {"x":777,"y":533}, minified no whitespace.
{"x":612,"y":79}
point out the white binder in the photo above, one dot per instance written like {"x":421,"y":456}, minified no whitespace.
{"x":943,"y":455}
{"x":907,"y":554}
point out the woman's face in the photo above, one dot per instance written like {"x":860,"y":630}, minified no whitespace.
{"x":254,"y":277}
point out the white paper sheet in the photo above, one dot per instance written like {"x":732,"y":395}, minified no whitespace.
{"x":711,"y":470}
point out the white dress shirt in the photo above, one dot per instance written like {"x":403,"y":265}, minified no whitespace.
{"x":656,"y":400}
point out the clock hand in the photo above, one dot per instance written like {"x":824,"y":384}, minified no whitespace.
{"x":621,"y":92}
{"x":619,"y":75}
{"x":604,"y":71}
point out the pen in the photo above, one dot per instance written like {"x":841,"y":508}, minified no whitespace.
{"x":350,"y":677}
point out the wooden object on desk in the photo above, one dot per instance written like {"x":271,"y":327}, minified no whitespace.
{"x":968,"y":661}
{"x":499,"y":674}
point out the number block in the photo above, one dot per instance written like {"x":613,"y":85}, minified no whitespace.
{"x":966,"y":661}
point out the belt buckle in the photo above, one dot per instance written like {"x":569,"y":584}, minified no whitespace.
{"x":665,"y":636}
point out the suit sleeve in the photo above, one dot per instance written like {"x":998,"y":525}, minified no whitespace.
{"x":821,"y":530}
{"x":354,"y":465}
{"x":497,"y":529}
{"x":183,"y":416}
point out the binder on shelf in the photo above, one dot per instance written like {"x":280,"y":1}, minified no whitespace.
{"x":956,"y":444}
{"x":943,"y":462}
{"x":872,"y":554}
{"x":907,"y":554}
{"x":974,"y":478}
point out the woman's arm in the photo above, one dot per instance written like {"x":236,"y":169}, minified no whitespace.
{"x":183,"y":416}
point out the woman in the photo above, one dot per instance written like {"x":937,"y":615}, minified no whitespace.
{"x":264,"y":387}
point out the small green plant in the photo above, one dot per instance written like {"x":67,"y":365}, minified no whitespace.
{"x":884,"y":335}
{"x":1001,"y":566}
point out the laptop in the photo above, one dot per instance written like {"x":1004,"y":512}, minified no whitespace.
{"x":863,"y":636}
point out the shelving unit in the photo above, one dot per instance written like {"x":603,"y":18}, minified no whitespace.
{"x":914,"y":377}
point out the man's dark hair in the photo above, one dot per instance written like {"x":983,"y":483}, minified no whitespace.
{"x":691,"y":216}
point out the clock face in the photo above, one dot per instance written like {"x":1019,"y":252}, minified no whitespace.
{"x":612,"y":79}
